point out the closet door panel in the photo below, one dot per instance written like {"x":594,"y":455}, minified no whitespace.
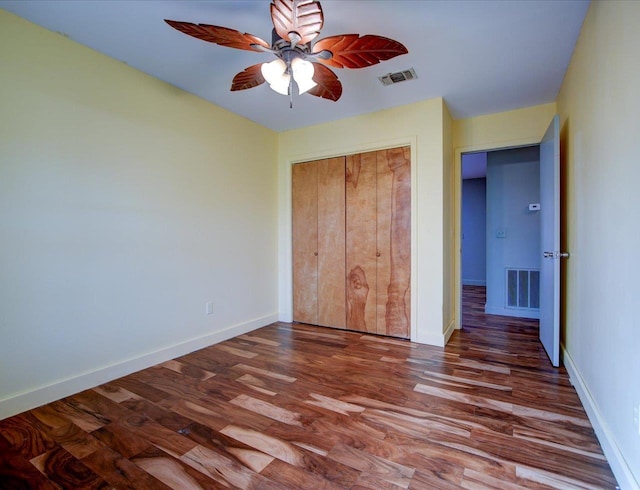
{"x":331,"y":243}
{"x":305,"y":242}
{"x":384,"y":191}
{"x":361,"y":212}
{"x":394,"y":241}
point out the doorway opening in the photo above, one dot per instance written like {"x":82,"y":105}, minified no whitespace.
{"x":501,"y":232}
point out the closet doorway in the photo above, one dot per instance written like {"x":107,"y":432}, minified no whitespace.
{"x":352,"y":242}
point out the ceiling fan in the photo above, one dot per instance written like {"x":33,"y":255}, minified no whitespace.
{"x":296,"y":24}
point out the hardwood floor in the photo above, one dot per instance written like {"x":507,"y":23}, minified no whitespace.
{"x":295,"y":406}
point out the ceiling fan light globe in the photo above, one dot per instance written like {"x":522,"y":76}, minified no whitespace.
{"x":274,"y":71}
{"x":281,"y":85}
{"x":305,"y":85}
{"x":302,"y":69}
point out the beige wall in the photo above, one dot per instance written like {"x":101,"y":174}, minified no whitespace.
{"x":422,"y":126}
{"x":599,"y":106}
{"x":125,"y":205}
{"x":449,"y":230}
{"x":504,"y":129}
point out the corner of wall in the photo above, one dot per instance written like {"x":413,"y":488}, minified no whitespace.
{"x":448,"y":225}
{"x":129,"y":184}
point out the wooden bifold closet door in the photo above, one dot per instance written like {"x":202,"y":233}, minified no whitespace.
{"x":378,"y":195}
{"x":319,"y":243}
{"x":352,"y":242}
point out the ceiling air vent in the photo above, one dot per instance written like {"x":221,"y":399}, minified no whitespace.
{"x":400,"y":76}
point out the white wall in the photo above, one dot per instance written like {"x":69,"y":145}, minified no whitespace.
{"x":513,"y":182}
{"x":474,"y":231}
{"x":125,"y":205}
{"x":599,"y":103}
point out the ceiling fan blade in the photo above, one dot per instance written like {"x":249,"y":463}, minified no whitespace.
{"x":302,"y":16}
{"x":329,"y":87}
{"x":248,"y":78}
{"x":353,"y":51}
{"x":219,"y":35}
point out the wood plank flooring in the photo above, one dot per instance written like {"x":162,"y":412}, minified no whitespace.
{"x":301,"y":407}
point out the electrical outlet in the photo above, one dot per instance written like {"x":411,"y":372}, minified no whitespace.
{"x":209,"y":308}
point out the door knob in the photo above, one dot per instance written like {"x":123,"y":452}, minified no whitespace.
{"x":555,"y":255}
{"x":315,"y":253}
{"x":378,"y":254}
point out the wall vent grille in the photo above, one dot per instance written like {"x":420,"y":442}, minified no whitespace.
{"x":523,"y":289}
{"x":397,"y":77}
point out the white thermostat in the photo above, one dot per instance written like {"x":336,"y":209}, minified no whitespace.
{"x":534,"y":207}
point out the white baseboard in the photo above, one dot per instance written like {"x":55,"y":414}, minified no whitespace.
{"x":448,"y":332}
{"x":620,"y":468}
{"x":494,"y":310}
{"x":60,"y":389}
{"x":436,"y":340}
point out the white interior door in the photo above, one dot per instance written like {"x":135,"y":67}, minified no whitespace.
{"x":550,"y":241}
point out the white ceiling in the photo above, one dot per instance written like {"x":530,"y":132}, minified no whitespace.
{"x":481,"y":56}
